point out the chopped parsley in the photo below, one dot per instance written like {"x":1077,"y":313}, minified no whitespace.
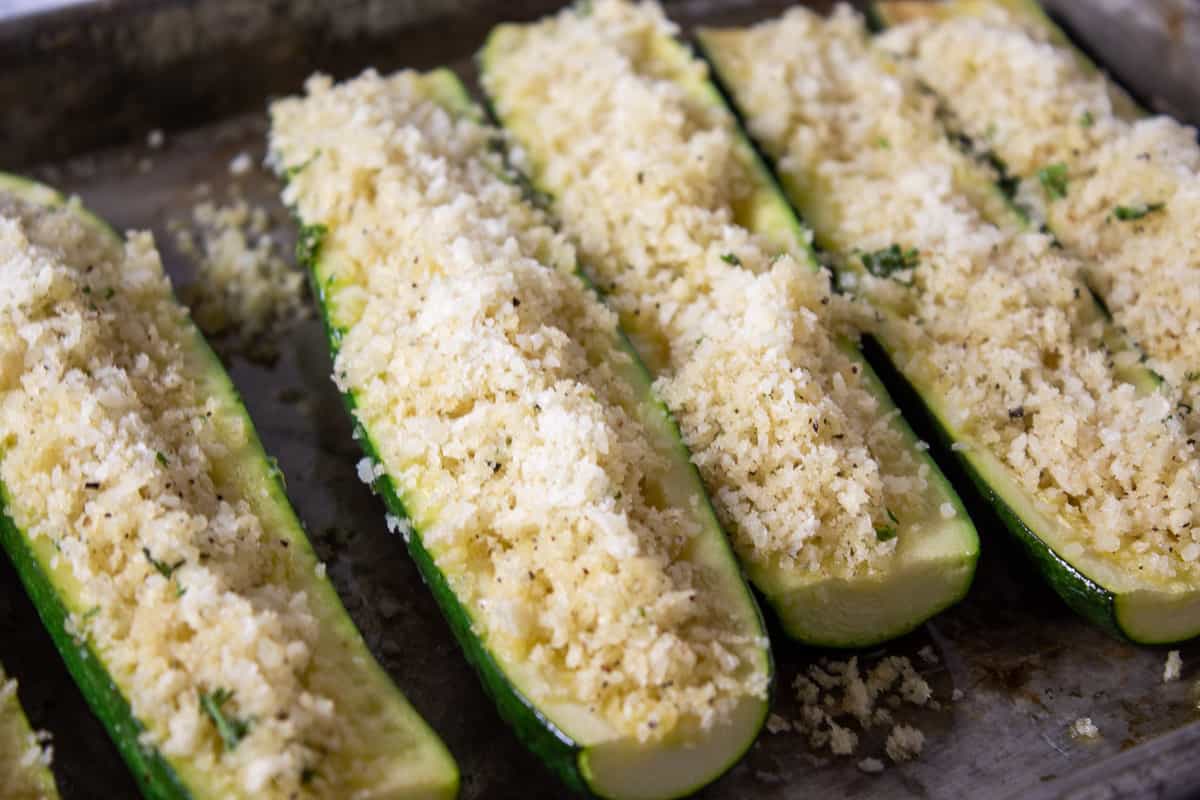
{"x":1054,"y":180}
{"x":1192,"y":376}
{"x":160,"y":458}
{"x":164,"y":569}
{"x":731,"y":258}
{"x":291,"y":172}
{"x":882,"y":143}
{"x":308,"y":243}
{"x":231,"y":729}
{"x":882,"y":263}
{"x":888,"y":532}
{"x":109,"y":292}
{"x":1130,"y":213}
{"x":1087,"y":120}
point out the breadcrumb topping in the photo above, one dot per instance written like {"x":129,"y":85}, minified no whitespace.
{"x":650,"y":176}
{"x":994,"y":322}
{"x":493,"y":384}
{"x":1130,"y":194}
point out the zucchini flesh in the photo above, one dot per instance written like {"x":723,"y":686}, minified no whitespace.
{"x":934,"y":564}
{"x":405,"y":759}
{"x":24,"y":774}
{"x":1120,"y":602}
{"x":584,"y":753}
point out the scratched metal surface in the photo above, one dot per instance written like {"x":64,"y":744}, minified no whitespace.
{"x":1025,"y":665}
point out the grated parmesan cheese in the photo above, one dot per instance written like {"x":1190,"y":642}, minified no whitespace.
{"x":797,"y":451}
{"x":493,"y":385}
{"x":993,"y":322}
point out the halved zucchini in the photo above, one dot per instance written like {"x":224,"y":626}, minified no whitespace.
{"x":1123,"y":600}
{"x":933,"y":564}
{"x":194,"y":738}
{"x":396,"y":159}
{"x":24,"y":766}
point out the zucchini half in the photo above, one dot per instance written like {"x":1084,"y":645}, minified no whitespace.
{"x":1123,"y":604}
{"x":935,"y":562}
{"x":24,"y":773}
{"x":581,"y":749}
{"x":404,"y":759}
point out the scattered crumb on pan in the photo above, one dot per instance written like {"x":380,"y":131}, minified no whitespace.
{"x":840,"y":702}
{"x":246,"y":291}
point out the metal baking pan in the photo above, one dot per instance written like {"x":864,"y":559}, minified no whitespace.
{"x":82,"y":82}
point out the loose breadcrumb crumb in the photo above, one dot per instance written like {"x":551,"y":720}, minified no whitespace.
{"x":241,"y":164}
{"x":1084,"y":728}
{"x":904,"y":743}
{"x":777,"y":724}
{"x":245,"y":284}
{"x":1173,"y":668}
{"x":835,"y":694}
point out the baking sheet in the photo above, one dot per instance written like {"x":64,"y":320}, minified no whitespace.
{"x":1025,"y":665}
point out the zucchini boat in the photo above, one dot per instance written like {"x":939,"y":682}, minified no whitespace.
{"x":512,"y":432}
{"x":157,"y":543}
{"x":24,"y":758}
{"x":989,"y":326}
{"x":1117,"y":188}
{"x":838,"y":516}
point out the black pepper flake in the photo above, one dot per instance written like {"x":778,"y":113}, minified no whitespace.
{"x":1016,"y":413}
{"x":516,"y":303}
{"x":92,"y":485}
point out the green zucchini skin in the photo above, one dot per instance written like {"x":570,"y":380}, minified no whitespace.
{"x":154,"y":775}
{"x":1083,"y":595}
